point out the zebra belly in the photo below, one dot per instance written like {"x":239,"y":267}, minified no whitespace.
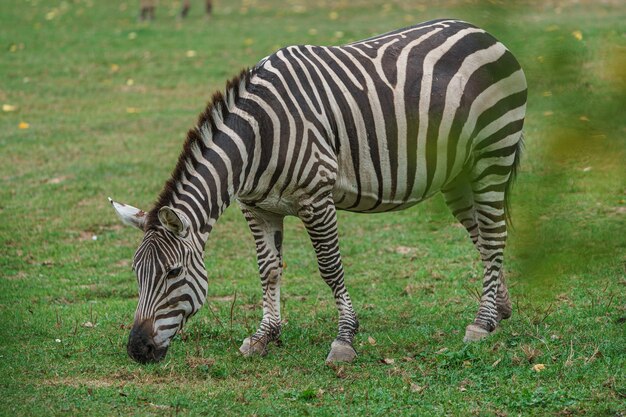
{"x":366,"y":200}
{"x":370,"y":204}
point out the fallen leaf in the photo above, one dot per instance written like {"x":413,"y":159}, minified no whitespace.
{"x":132,"y":110}
{"x":388,"y":361}
{"x":52,"y":14}
{"x":132,"y":35}
{"x":115,"y":68}
{"x":191,"y":54}
{"x":333,"y":15}
{"x":538,"y":367}
{"x":583,"y":118}
{"x":371,"y":340}
{"x":8,"y":107}
{"x":23,"y":125}
{"x":548,"y":113}
{"x":417,"y":388}
{"x":404,"y":250}
{"x":248,"y":41}
{"x":88,"y":325}
{"x":578,"y":35}
{"x":56,"y":180}
{"x":493,"y":365}
{"x":130,"y":82}
{"x":463,"y":385}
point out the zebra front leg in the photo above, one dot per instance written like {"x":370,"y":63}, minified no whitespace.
{"x":321,"y":223}
{"x":267,"y":229}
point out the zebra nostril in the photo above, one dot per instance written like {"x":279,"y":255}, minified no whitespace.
{"x":140,"y":345}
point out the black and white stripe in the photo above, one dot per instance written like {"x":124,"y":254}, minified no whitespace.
{"x":373,"y":126}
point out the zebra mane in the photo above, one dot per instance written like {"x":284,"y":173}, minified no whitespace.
{"x":217,"y":109}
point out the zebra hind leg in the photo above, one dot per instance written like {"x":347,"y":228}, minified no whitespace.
{"x":460,"y":199}
{"x":321,"y":223}
{"x":490,"y":182}
{"x":267,"y":230}
{"x":503,"y":301}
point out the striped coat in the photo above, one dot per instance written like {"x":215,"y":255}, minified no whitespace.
{"x":373,"y":126}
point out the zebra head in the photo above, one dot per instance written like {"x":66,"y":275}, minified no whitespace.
{"x":172,"y":279}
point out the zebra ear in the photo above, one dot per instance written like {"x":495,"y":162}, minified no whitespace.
{"x":174,"y":220}
{"x":129,"y":215}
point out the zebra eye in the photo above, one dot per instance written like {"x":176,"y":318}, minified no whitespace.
{"x":173,"y":273}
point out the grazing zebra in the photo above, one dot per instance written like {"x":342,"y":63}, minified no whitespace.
{"x":372,"y":126}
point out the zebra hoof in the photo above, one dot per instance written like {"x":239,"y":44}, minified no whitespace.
{"x":340,"y":352}
{"x":249,"y":348}
{"x":474,"y":333}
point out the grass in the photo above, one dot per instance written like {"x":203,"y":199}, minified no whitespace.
{"x":108,"y":101}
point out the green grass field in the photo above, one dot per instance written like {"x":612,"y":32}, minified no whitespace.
{"x":96,"y":104}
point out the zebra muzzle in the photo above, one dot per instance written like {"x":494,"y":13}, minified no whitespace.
{"x":141,"y":346}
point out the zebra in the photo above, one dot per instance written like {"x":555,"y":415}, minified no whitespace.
{"x":372,"y":126}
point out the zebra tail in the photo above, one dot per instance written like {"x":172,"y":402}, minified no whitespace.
{"x":509,"y":183}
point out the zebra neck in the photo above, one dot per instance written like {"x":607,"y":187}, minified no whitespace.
{"x":211,"y":168}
